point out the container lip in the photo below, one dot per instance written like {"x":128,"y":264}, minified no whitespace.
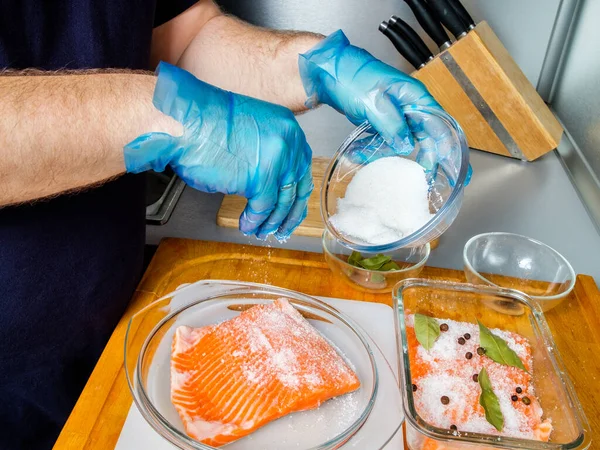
{"x":440,"y":215}
{"x":164,"y":427}
{"x":410,"y":413}
{"x":417,"y":265}
{"x":540,"y":298}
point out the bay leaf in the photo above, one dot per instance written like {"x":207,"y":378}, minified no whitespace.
{"x":377,"y":278}
{"x":489,"y":401}
{"x":427,"y":330}
{"x":375,"y":262}
{"x":497,"y":349}
{"x":391,"y":265}
{"x":354,"y":258}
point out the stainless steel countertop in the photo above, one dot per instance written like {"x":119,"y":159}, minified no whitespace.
{"x":535,"y":199}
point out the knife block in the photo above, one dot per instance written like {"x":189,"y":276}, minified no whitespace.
{"x":480,"y":85}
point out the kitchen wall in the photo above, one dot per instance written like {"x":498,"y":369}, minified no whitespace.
{"x":577,"y":92}
{"x":525,"y":27}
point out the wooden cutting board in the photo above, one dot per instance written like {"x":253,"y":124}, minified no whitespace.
{"x":100,"y":413}
{"x":233,"y":205}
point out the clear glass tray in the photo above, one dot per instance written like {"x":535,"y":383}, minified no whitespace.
{"x":367,"y":418}
{"x":508,"y":310}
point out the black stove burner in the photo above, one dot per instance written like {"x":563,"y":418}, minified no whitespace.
{"x":156,"y":185}
{"x":162,"y":193}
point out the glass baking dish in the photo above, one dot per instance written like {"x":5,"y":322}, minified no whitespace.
{"x":507,"y":310}
{"x":370,"y":416}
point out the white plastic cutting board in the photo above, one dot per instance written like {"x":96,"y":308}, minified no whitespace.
{"x":376,"y":319}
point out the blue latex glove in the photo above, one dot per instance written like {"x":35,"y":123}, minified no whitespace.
{"x":360,"y":86}
{"x":357,"y":84}
{"x":231,"y":144}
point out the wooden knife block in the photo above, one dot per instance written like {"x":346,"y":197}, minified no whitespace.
{"x":480,"y":85}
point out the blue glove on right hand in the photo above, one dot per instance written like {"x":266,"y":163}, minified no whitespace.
{"x":231,"y":144}
{"x":357,"y":84}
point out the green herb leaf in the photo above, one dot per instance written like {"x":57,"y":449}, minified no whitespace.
{"x":489,"y":401}
{"x":389,"y":266}
{"x":427,"y":330}
{"x":354,"y":259}
{"x":497,"y":349}
{"x":378,"y":262}
{"x":377,"y":278}
{"x":375,"y":262}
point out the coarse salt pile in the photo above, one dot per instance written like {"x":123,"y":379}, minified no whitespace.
{"x":448,"y":369}
{"x":385,"y":201}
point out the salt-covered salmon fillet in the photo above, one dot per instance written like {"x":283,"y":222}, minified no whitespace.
{"x":449,"y":369}
{"x":227,"y":380}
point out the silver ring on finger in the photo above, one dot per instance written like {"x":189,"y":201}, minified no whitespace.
{"x":285,"y":187}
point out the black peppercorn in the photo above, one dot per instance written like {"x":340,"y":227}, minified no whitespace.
{"x":467,"y":336}
{"x":445,"y":400}
{"x":453,"y":427}
{"x":519,"y":390}
{"x":526,"y":400}
{"x":514,"y":398}
{"x":444,"y":327}
{"x":468,"y":355}
{"x":476,"y":378}
{"x":461,"y":340}
{"x":480,"y":351}
{"x":414,"y":386}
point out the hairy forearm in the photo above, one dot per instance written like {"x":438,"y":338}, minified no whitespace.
{"x":250,"y":60}
{"x":61,"y":132}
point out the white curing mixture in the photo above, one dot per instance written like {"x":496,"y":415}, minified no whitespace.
{"x":385,"y":201}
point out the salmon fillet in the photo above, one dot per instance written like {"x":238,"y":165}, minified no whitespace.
{"x":444,"y":370}
{"x":229,"y":379}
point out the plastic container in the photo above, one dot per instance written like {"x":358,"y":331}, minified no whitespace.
{"x":447,"y":174}
{"x":465,"y":302}
{"x":518,"y":262}
{"x":339,"y":422}
{"x":411,"y":261}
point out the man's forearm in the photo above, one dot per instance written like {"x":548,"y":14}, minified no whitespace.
{"x":249,"y":60}
{"x":63,"y":132}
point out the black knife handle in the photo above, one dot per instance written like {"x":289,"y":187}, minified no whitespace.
{"x":462,"y":12}
{"x":445,"y":14}
{"x":429,"y":23}
{"x":404,"y":47}
{"x":402,"y":27}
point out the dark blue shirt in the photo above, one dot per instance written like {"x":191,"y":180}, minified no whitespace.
{"x":68,"y":266}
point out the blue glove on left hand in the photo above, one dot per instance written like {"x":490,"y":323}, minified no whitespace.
{"x":232,"y":144}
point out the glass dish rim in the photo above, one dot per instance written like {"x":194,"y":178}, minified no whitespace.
{"x":417,"y":265}
{"x":410,"y":413}
{"x":540,"y":298}
{"x":163,"y":427}
{"x":439,"y":215}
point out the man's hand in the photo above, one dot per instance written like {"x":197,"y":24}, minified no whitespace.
{"x":231,"y":144}
{"x":363,"y":88}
